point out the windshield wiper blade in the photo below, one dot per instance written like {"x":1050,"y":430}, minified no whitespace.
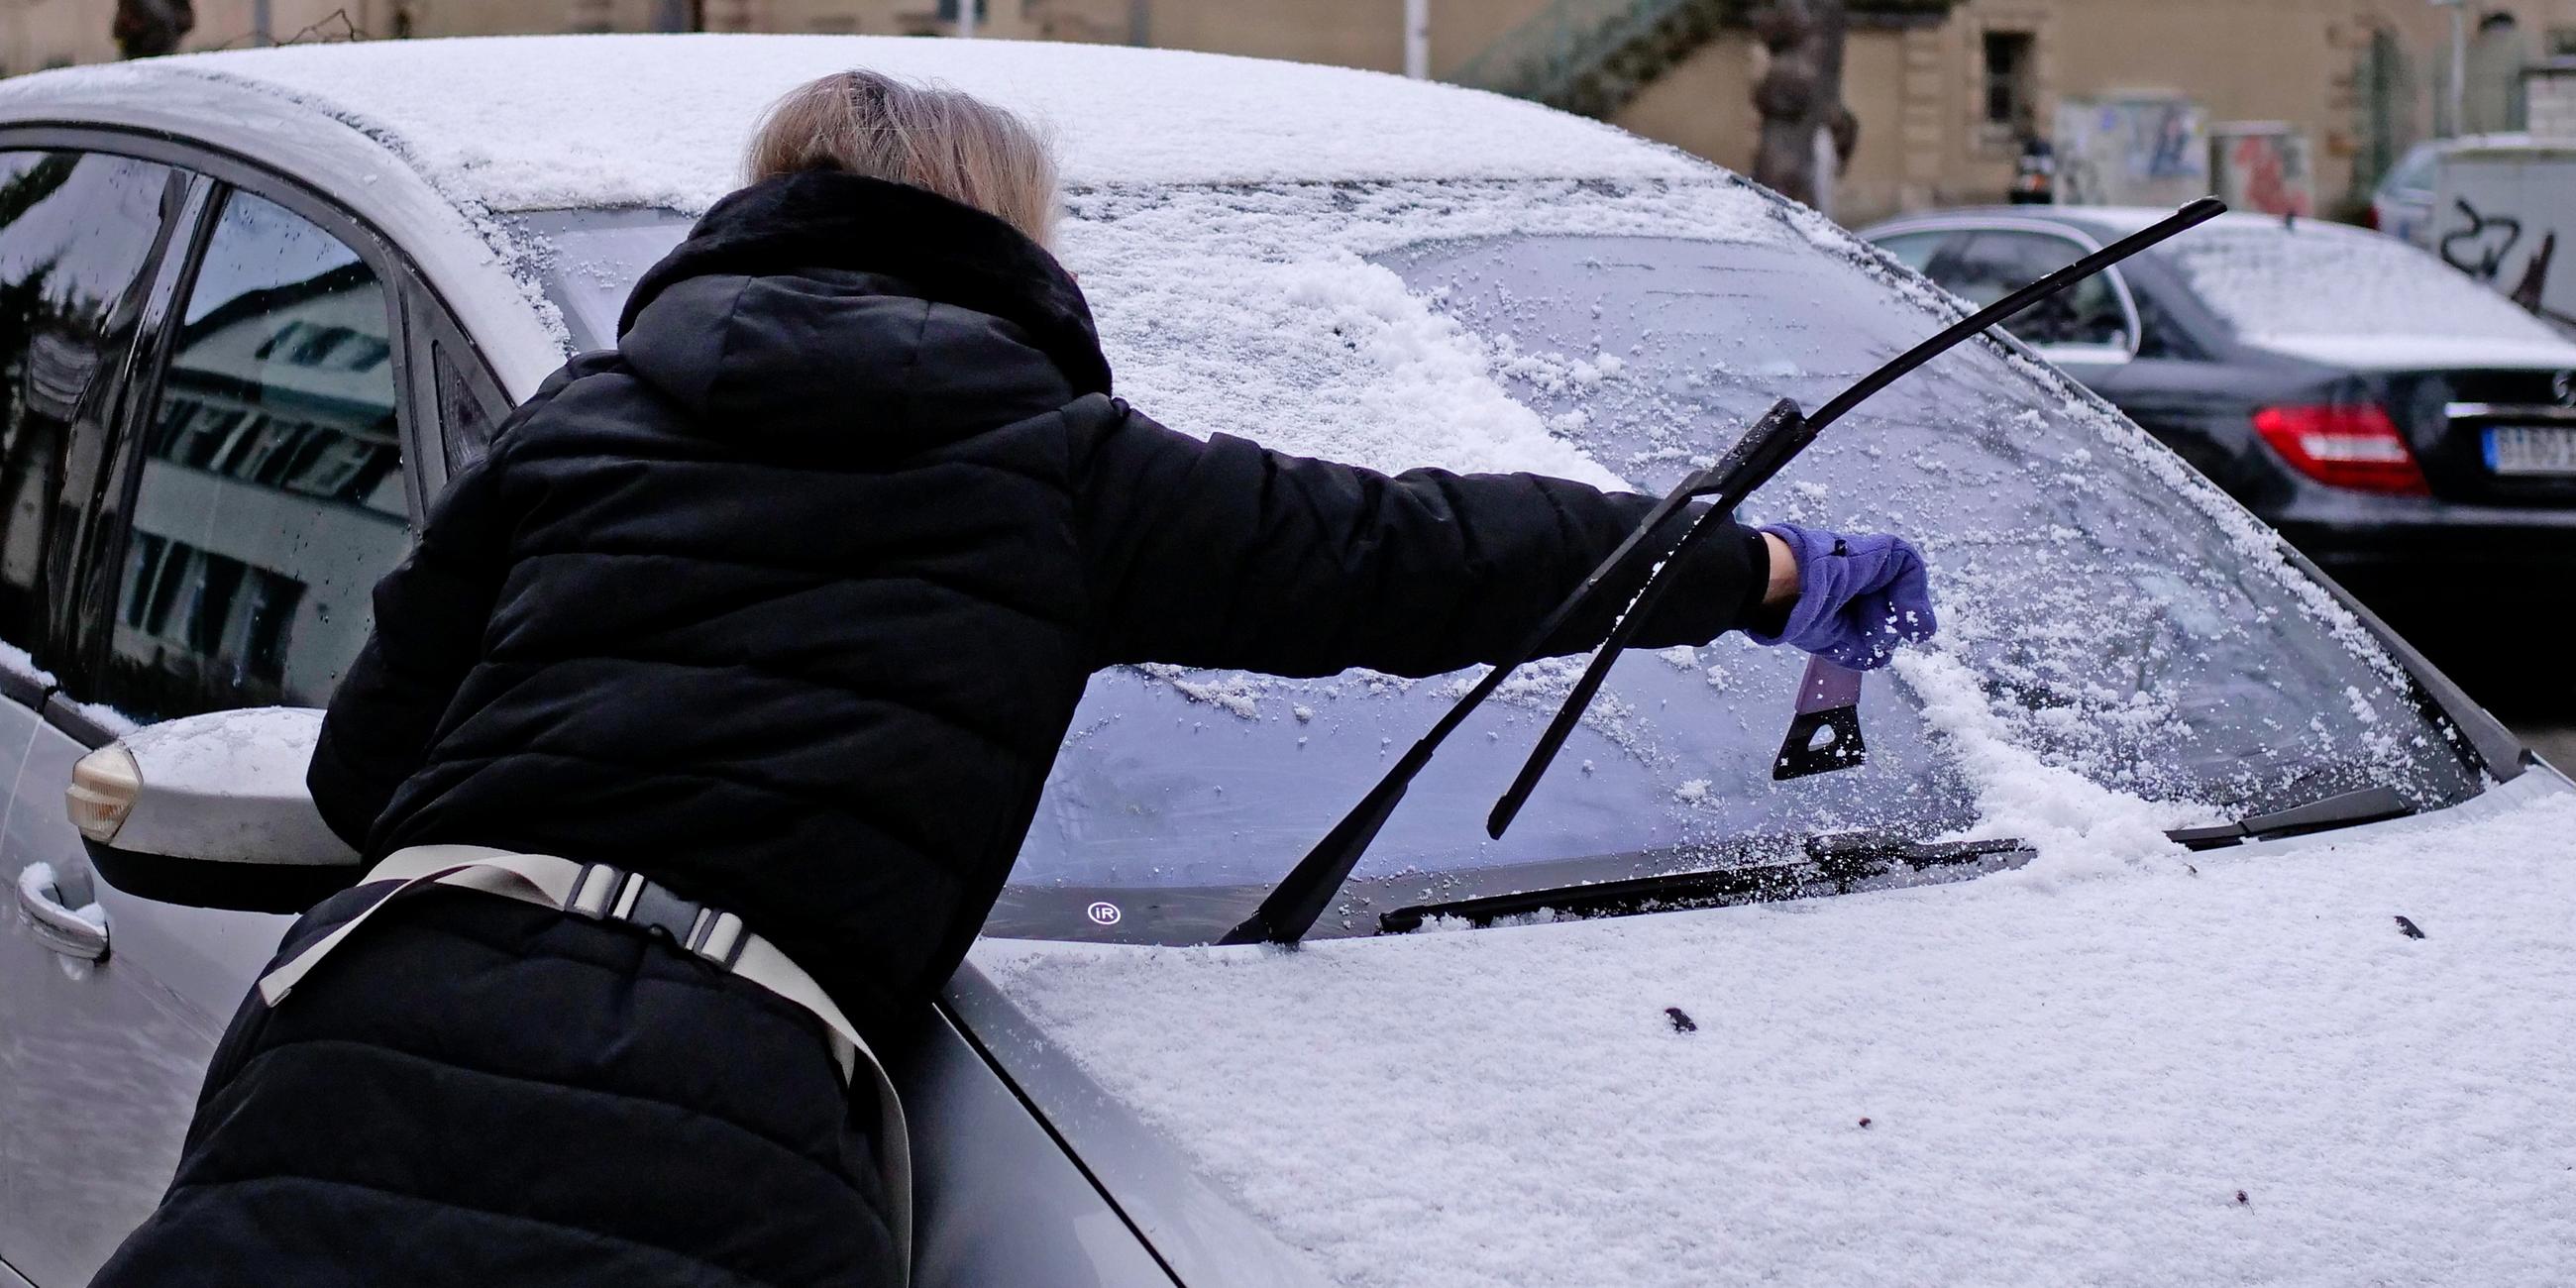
{"x":1834,"y":865}
{"x":2346,"y":809}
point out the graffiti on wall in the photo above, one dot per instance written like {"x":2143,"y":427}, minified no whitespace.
{"x":2482,"y":244}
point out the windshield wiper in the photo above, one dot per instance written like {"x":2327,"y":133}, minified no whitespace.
{"x":2347,"y":809}
{"x":1838,"y":864}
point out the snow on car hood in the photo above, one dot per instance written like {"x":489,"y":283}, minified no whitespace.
{"x":2187,"y":1069}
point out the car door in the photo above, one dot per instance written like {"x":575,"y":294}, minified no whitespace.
{"x":256,"y":491}
{"x":87,"y":246}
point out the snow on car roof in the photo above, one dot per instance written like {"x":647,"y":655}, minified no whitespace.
{"x":549,"y":122}
{"x":2215,"y":1068}
{"x":2336,"y":294}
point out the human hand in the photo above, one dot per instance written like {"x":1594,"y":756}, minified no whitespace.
{"x":1858,"y":597}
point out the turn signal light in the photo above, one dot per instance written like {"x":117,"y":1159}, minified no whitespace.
{"x":2355,"y":446}
{"x":104,"y":784}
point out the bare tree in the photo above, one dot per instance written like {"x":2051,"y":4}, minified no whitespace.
{"x":1802,"y":95}
{"x":144,"y":28}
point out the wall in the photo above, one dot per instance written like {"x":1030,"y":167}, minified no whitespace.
{"x":52,"y":33}
{"x":2553,"y":100}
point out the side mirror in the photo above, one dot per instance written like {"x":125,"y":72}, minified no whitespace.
{"x":211,"y":811}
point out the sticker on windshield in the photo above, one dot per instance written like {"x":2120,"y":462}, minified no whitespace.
{"x":1104,"y":912}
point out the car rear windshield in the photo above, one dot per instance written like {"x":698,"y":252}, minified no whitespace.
{"x":2117,"y":634}
{"x":2313,"y":279}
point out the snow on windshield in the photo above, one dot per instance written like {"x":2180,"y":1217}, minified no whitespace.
{"x":2317,"y":279}
{"x":2125,"y":650}
{"x":2127,"y":644}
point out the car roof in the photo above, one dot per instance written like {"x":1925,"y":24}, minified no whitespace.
{"x":429,"y":140}
{"x":548,"y":122}
{"x":2103,"y":222}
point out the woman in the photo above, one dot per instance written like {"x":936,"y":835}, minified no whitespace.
{"x":783,"y":606}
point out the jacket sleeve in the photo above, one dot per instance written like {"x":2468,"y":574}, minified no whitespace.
{"x":1224,"y":553}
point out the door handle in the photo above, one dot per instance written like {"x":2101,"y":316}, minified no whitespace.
{"x":74,"y":932}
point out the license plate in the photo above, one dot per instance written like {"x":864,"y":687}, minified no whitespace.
{"x":2531,"y":449}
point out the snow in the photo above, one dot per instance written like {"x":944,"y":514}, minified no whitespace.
{"x":18,"y":662}
{"x":220,"y":753}
{"x":2068,"y":1075}
{"x":2321,"y":289}
{"x":529,"y":123}
{"x":1259,"y":312}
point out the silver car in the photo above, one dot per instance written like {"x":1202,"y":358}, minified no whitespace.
{"x":255,"y":307}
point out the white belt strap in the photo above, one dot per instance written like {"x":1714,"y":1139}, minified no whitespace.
{"x":600,"y":891}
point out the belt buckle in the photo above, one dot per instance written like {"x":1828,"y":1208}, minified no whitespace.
{"x":663,"y":913}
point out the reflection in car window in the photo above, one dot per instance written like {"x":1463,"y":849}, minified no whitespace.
{"x":75,"y":232}
{"x":1991,"y":265}
{"x":271,"y":496}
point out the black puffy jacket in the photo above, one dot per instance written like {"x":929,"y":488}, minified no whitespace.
{"x":787,"y":601}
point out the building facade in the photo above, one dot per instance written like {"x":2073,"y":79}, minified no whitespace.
{"x":1943,"y":93}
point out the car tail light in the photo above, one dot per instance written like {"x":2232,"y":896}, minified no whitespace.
{"x":2354,"y":446}
{"x":104,"y":784}
{"x":2370,"y":216}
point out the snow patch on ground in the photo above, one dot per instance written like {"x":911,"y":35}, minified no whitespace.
{"x":2064,"y":1082}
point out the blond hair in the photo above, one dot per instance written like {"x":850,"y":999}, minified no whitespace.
{"x":953,"y":144}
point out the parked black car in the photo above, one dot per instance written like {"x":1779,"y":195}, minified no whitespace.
{"x":2389,"y":416}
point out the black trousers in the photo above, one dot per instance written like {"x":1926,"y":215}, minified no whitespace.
{"x":478,"y":1091}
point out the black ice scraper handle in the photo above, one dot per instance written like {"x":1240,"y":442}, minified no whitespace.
{"x":1739,"y":475}
{"x":1291,"y":907}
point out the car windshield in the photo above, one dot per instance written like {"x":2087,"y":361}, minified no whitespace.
{"x":2265,"y":279}
{"x":2118,"y":636}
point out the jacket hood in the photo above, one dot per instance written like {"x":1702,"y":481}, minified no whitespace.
{"x":801,"y":299}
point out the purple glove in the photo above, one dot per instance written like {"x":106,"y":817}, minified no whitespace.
{"x":1858,"y":597}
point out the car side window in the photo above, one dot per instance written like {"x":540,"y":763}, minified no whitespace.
{"x":1915,"y":250}
{"x":1993,"y":264}
{"x":76,"y":230}
{"x":271,"y":491}
{"x":470,"y":408}
{"x":2159,"y":336}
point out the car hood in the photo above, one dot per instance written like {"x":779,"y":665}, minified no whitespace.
{"x":2231,"y":1066}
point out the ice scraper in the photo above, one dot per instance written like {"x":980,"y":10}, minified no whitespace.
{"x":1773,"y":441}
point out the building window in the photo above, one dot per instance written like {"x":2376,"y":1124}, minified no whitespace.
{"x":2011,"y":59}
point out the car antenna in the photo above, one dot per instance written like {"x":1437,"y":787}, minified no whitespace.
{"x":1291,"y":907}
{"x":1733,"y":479}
